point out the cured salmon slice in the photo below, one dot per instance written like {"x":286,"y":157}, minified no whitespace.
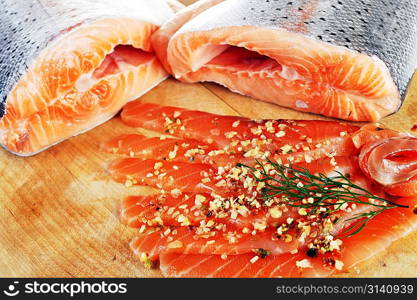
{"x":168,"y":149}
{"x":272,"y":52}
{"x":380,"y":233}
{"x":374,"y":238}
{"x":372,"y":133}
{"x":240,"y":266}
{"x":201,"y":126}
{"x":84,"y":76}
{"x":192,"y":210}
{"x":136,"y":145}
{"x":392,"y":163}
{"x":191,"y":241}
{"x":174,"y":177}
{"x":280,"y":138}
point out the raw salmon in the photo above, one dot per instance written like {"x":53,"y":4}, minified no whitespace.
{"x":169,"y":149}
{"x":392,"y":162}
{"x":172,"y":211}
{"x":371,"y":133}
{"x":136,"y":145}
{"x":197,"y":232}
{"x":185,"y":240}
{"x":307,"y":55}
{"x":280,"y":138}
{"x":193,"y":209}
{"x":295,"y":208}
{"x":174,"y":177}
{"x":59,"y":81}
{"x":212,"y":238}
{"x":162,"y":37}
{"x":373,"y":239}
{"x":240,"y":266}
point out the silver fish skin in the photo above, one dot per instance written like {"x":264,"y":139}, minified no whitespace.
{"x":386,"y":29}
{"x":29,"y":26}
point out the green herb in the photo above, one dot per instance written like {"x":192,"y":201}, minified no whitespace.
{"x":296,"y":184}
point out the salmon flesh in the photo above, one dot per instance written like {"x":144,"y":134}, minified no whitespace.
{"x":349,"y":59}
{"x":208,"y":216}
{"x":70,"y":65}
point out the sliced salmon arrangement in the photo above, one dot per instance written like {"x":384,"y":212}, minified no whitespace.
{"x":87,"y":72}
{"x":235,"y":197}
{"x":306,"y":55}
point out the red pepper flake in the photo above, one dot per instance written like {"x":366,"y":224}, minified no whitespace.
{"x":415,"y":210}
{"x":414,"y":128}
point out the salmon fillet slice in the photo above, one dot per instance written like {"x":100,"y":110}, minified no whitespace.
{"x":188,"y":150}
{"x":80,"y":81}
{"x":241,"y":135}
{"x":170,"y":149}
{"x":174,"y":177}
{"x":382,"y":231}
{"x":183,"y":240}
{"x":238,"y":266}
{"x":391,"y":162}
{"x":194,"y":208}
{"x":276,"y":65}
{"x":136,"y":145}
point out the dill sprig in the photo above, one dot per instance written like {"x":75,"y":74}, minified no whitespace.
{"x":296,"y":184}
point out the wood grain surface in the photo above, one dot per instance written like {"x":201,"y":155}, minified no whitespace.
{"x":59,"y":210}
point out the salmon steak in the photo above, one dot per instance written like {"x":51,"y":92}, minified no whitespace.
{"x":340,"y":60}
{"x":61,"y":80}
{"x":235,"y":197}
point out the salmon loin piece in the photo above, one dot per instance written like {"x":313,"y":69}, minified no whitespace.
{"x":83,"y":75}
{"x":299,"y":55}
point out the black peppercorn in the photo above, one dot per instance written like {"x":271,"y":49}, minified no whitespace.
{"x":312,"y":252}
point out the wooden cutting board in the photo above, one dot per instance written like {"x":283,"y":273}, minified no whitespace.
{"x":59,"y":210}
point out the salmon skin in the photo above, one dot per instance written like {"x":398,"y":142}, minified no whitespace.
{"x":340,"y":59}
{"x":68,"y":66}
